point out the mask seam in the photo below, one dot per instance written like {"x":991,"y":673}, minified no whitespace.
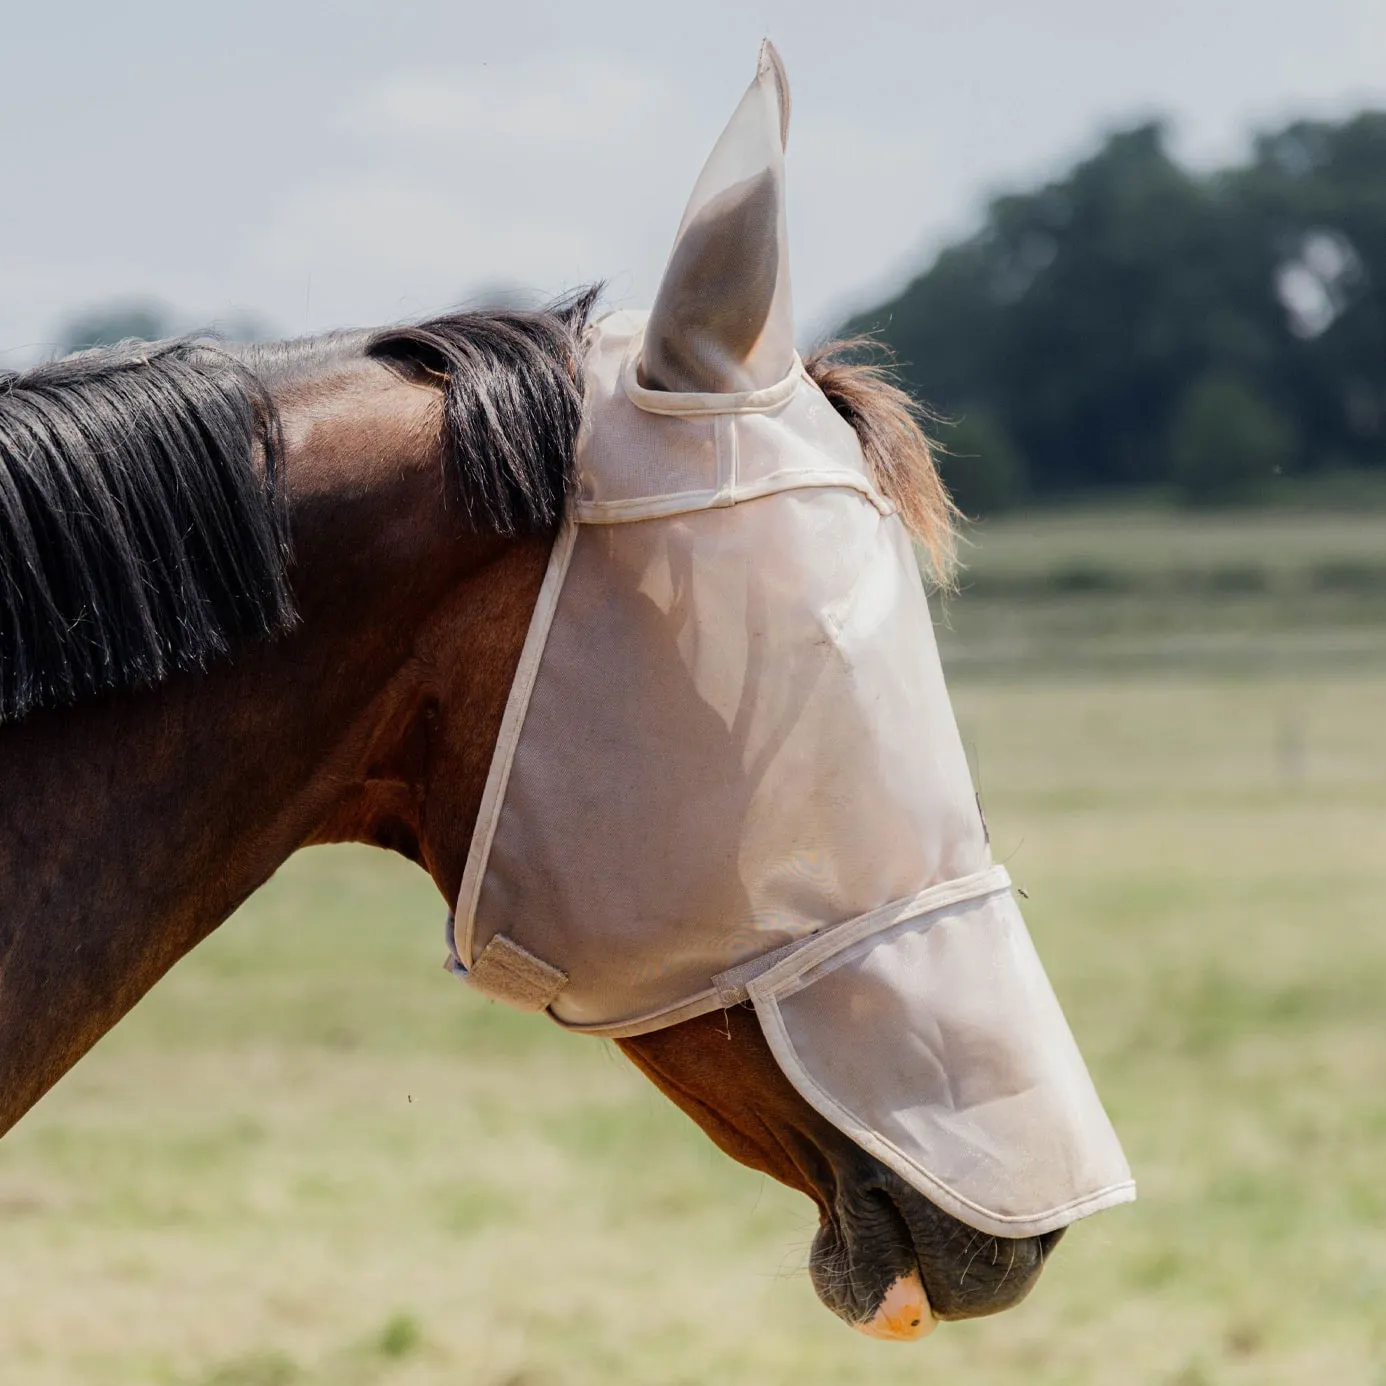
{"x":759,"y":401}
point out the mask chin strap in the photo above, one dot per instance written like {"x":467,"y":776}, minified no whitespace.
{"x":507,"y":972}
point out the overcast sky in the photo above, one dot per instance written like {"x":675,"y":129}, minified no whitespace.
{"x":321,"y":165}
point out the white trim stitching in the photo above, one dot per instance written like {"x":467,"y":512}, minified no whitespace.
{"x":508,"y":739}
{"x":631,"y":508}
{"x":689,"y":403}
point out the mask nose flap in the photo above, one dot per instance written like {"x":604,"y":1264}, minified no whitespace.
{"x":930,"y":1035}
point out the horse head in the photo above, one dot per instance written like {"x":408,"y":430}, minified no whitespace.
{"x":730,"y":630}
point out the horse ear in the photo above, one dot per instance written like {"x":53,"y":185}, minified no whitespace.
{"x":723,"y":319}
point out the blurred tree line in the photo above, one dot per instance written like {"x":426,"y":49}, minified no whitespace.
{"x":145,"y":320}
{"x":1136,"y":324}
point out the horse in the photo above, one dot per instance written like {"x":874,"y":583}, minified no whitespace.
{"x":256,"y":598}
{"x":259,"y":597}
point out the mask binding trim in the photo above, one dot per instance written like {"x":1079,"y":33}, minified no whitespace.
{"x":633,"y":508}
{"x":759,"y":974}
{"x":508,"y":740}
{"x":738,"y":983}
{"x":679,"y":402}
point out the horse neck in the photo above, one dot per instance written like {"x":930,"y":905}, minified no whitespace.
{"x":132,"y":826}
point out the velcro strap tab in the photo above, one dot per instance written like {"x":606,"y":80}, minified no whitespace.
{"x":514,"y":975}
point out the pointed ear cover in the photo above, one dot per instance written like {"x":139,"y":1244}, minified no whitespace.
{"x":723,"y":320}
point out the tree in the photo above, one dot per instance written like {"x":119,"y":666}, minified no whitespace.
{"x":1317,"y":192}
{"x":1226,"y":442}
{"x":114,"y":322}
{"x":980,"y":465}
{"x":1082,"y":315}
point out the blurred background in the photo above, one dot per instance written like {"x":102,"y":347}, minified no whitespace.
{"x":1134,"y":258}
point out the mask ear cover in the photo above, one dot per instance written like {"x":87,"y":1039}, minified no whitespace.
{"x":723,"y":321}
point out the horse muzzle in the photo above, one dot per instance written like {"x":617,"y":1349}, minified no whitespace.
{"x":892,"y":1265}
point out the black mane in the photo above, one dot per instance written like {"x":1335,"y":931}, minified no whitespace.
{"x":143,"y":523}
{"x":137,"y":534}
{"x":512,"y":405}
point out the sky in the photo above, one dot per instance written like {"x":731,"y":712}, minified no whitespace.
{"x":314,"y":165}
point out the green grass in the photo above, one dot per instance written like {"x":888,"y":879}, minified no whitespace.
{"x":310,"y":1158}
{"x":1148,"y":541}
{"x":1145,"y":591}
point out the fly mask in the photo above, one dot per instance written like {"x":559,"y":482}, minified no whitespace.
{"x":729,"y":770}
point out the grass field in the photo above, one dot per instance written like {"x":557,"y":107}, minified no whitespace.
{"x":311,"y":1159}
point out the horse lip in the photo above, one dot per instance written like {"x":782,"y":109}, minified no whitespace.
{"x":1023,"y":1281}
{"x":840,"y":1289}
{"x":909,"y":1240}
{"x":904,"y":1314}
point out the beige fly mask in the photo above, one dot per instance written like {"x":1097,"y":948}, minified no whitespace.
{"x":729,"y":770}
